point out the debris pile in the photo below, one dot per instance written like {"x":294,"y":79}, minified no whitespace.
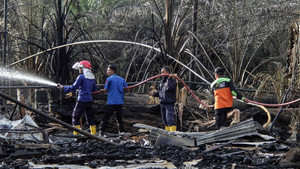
{"x":92,"y":153}
{"x":243,"y":145}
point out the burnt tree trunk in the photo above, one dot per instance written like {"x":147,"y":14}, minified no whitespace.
{"x":61,"y":52}
{"x":293,"y":59}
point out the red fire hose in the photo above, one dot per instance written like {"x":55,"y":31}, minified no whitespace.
{"x":154,"y":77}
{"x":198,"y":100}
{"x":274,"y":105}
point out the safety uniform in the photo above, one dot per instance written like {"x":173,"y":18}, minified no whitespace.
{"x":115,"y":99}
{"x":86,"y":84}
{"x":167,"y":99}
{"x":223,"y":90}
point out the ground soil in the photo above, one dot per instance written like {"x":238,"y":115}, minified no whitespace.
{"x":132,"y":149}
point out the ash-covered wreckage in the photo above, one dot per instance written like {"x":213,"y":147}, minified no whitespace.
{"x":42,"y":137}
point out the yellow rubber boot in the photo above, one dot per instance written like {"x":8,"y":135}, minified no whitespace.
{"x":167,"y":128}
{"x":93,"y":129}
{"x":75,"y":132}
{"x":172,"y":128}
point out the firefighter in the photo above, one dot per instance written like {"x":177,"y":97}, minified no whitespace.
{"x":85,"y":84}
{"x":223,"y":90}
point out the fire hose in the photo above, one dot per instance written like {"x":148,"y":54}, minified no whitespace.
{"x":250,"y":102}
{"x":199,"y":101}
{"x":157,"y":76}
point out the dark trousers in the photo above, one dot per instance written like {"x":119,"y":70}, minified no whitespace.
{"x":221,"y":116}
{"x":79,"y":109}
{"x":168,"y":114}
{"x":108,"y":113}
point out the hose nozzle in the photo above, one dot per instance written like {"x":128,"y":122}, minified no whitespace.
{"x":59,"y":86}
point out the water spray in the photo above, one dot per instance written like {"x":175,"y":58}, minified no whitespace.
{"x":109,"y":41}
{"x":15,"y":75}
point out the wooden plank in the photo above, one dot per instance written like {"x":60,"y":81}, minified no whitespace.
{"x":33,"y":146}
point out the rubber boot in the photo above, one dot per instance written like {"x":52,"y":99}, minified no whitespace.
{"x":167,"y":128}
{"x":93,"y":129}
{"x":75,"y":132}
{"x":172,"y":128}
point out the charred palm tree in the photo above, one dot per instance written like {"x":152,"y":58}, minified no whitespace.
{"x":236,"y":35}
{"x":53,"y":24}
{"x":172,"y":32}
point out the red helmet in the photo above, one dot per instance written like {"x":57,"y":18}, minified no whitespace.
{"x":84,"y":63}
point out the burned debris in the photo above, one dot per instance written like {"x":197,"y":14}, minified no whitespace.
{"x":188,"y":41}
{"x":242,"y":145}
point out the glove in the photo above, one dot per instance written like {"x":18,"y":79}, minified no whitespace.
{"x":60,"y":86}
{"x":245,"y":100}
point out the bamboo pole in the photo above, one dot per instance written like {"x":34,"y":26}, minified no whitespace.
{"x":68,"y":126}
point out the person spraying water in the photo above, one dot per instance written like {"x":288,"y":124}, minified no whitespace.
{"x":86,"y":85}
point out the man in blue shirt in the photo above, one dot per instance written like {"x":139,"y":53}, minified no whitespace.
{"x":115,"y":99}
{"x":85,"y":84}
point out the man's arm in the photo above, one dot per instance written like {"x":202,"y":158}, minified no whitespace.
{"x":234,"y":92}
{"x":171,"y":84}
{"x":75,"y":85}
{"x":94,"y":87}
{"x":124,"y":83}
{"x":103,"y":90}
{"x":106,"y":86}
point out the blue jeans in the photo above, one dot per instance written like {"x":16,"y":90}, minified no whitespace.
{"x":168,"y":115}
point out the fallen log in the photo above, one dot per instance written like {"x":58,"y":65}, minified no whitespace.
{"x":25,"y":155}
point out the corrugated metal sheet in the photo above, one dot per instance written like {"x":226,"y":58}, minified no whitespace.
{"x":246,"y":128}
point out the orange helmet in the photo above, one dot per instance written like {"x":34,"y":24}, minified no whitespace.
{"x":82,"y":64}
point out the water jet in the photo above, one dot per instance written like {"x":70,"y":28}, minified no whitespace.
{"x":15,"y":75}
